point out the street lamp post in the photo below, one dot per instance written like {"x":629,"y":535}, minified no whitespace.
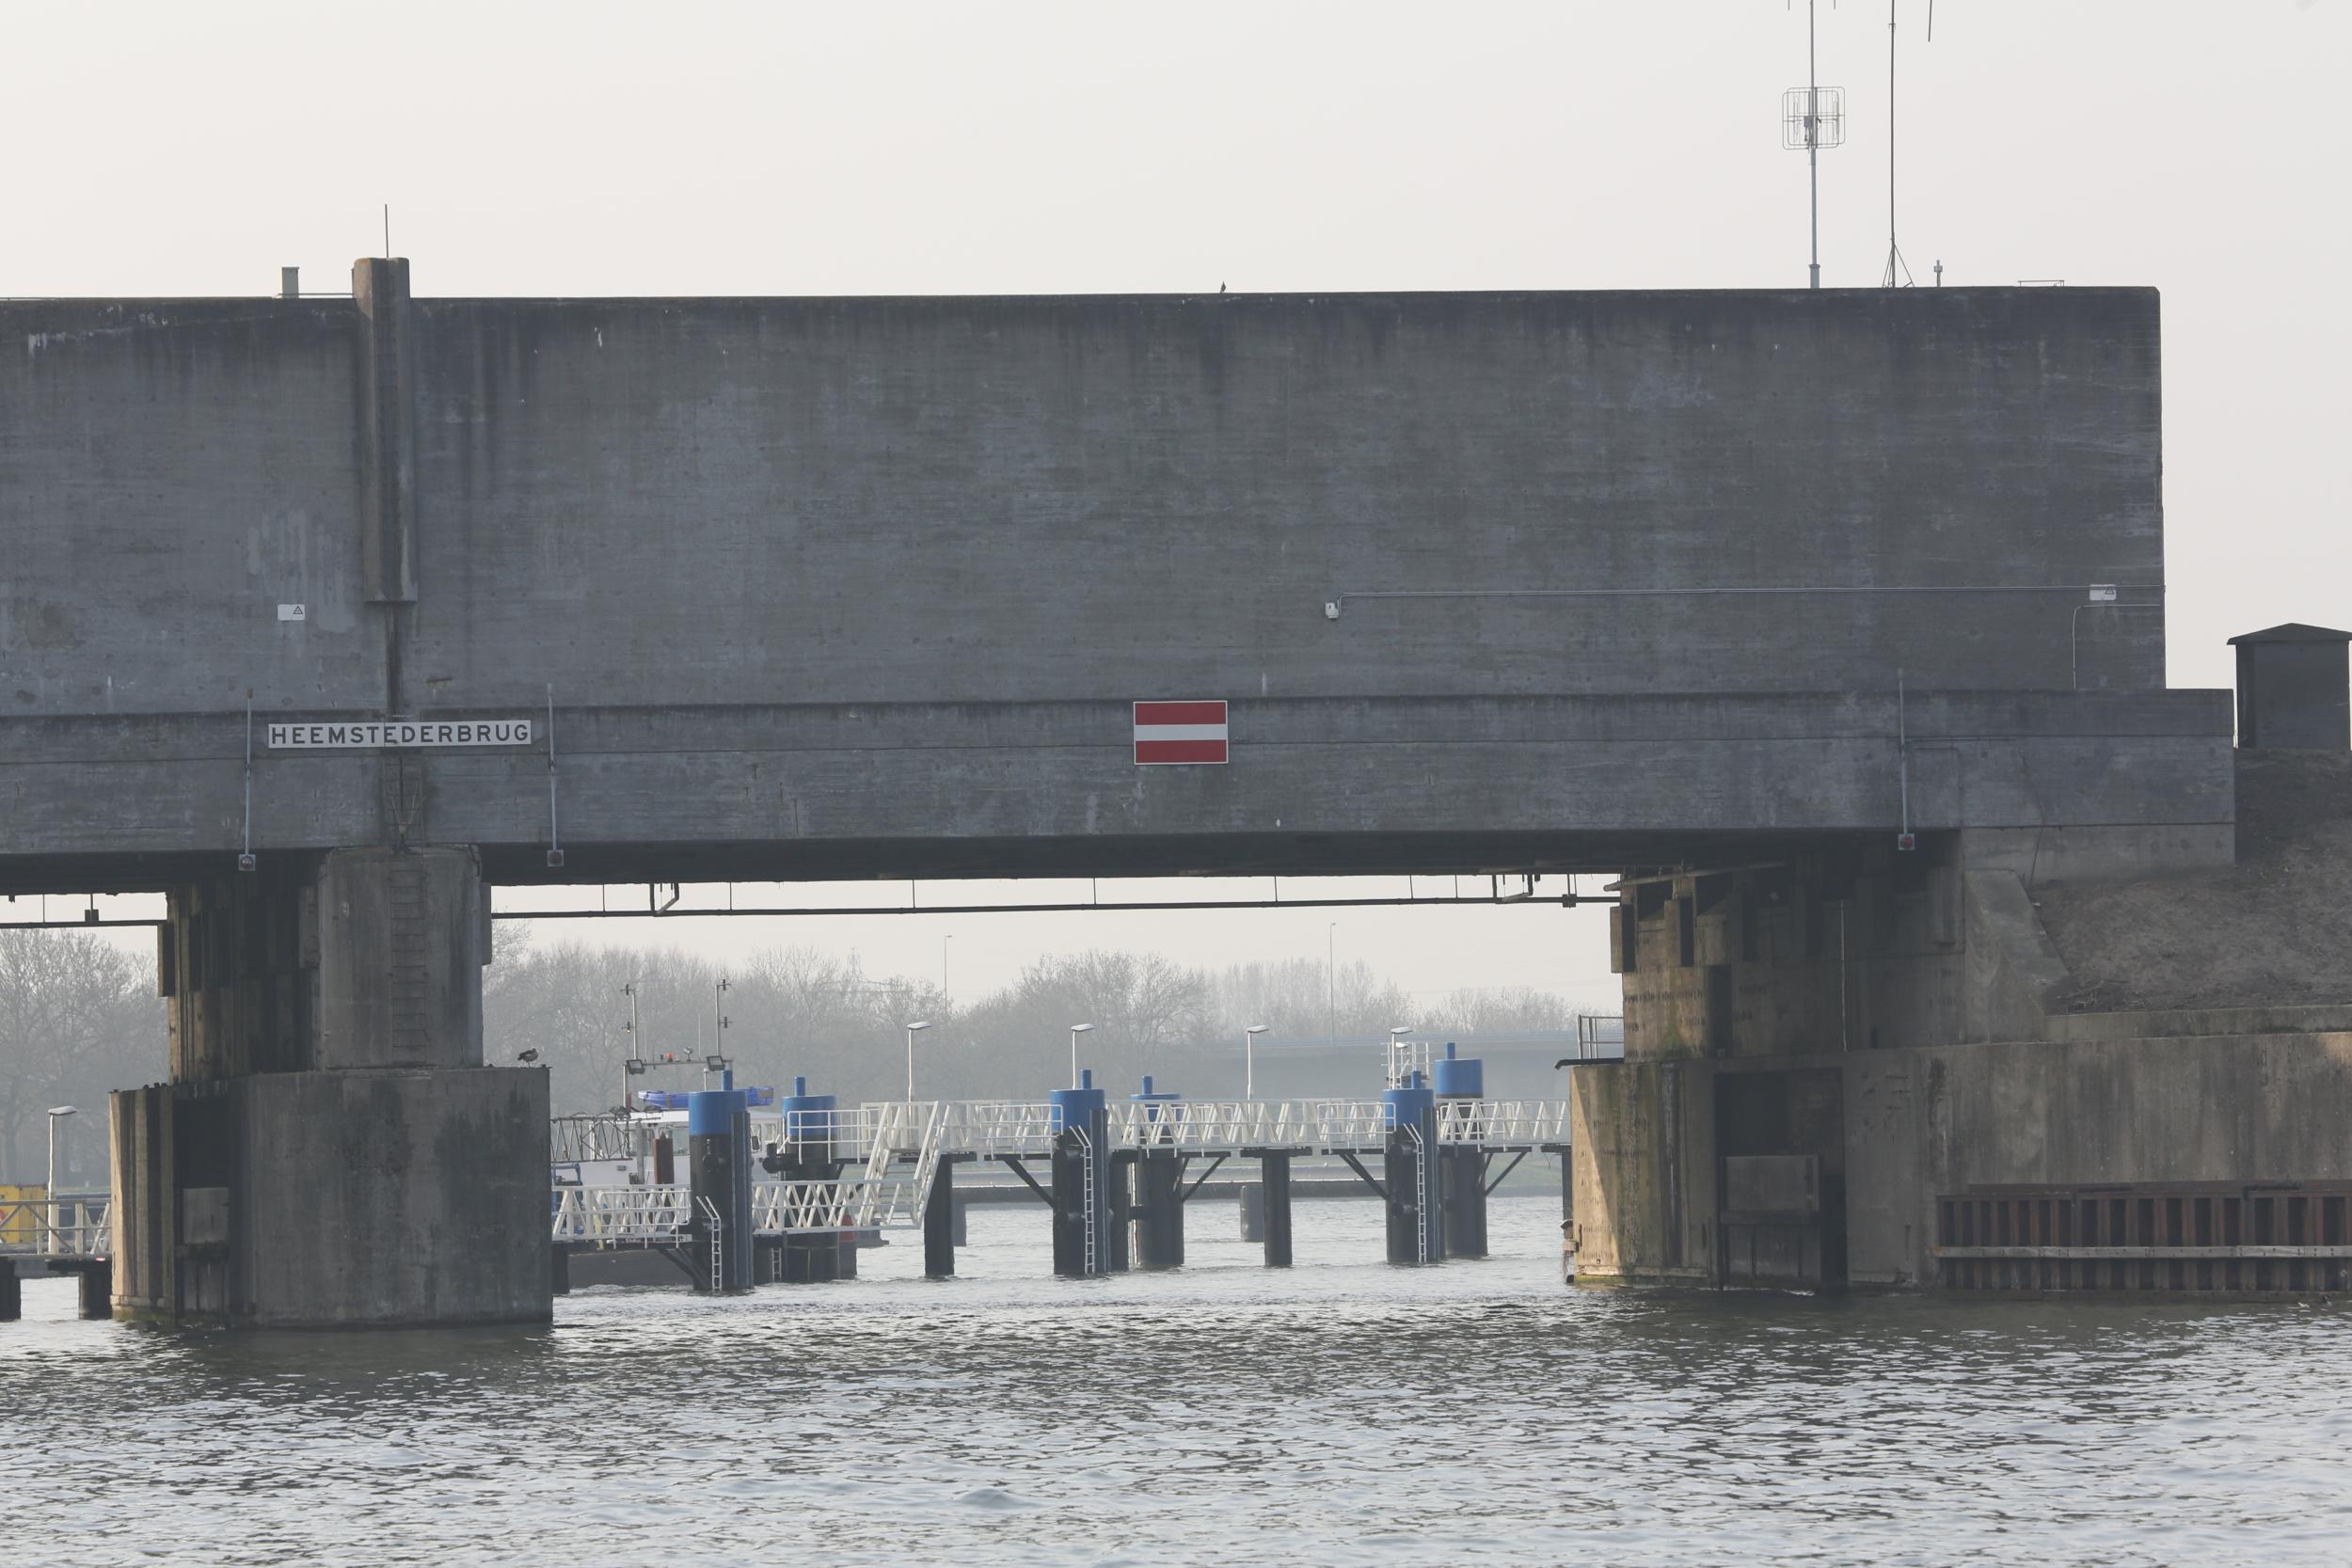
{"x":719,"y":1030}
{"x":1075,"y":1030}
{"x":911,"y":1031}
{"x":1248,"y":1060}
{"x":57,"y":1114}
{"x":1331,"y":980}
{"x":634,"y":1063}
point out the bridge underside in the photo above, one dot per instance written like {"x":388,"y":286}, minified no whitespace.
{"x":861,"y":860}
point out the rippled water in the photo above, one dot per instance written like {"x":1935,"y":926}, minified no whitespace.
{"x":1341,"y":1412}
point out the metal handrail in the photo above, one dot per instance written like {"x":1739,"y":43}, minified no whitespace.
{"x":71,"y":1224}
{"x":901,"y":1144}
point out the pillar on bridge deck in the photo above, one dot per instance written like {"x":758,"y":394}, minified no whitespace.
{"x":1415,"y":1218}
{"x":330,"y":1150}
{"x":1462,"y":1167}
{"x":1082,"y":1179}
{"x":1158,"y":1185}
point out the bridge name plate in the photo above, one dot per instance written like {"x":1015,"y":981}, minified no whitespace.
{"x":375,"y":734}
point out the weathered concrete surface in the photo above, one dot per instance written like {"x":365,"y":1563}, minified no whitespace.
{"x":401,"y":939}
{"x":375,"y":1199}
{"x":1937,"y":1119}
{"x":684,"y":501}
{"x":1642,"y":1168}
{"x":2100,"y":781}
{"x":865,"y":572}
{"x":397,"y":1197}
{"x":170,"y":472}
{"x":332,"y":1151}
{"x":2274,"y":928}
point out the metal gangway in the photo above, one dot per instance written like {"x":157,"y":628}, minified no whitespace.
{"x":68,"y":1227}
{"x":894,"y":1150}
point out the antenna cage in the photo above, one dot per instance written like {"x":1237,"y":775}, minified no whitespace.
{"x":1822,"y":125}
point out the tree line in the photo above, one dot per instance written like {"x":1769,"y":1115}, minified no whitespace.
{"x":79,"y":1015}
{"x":799,"y":1011}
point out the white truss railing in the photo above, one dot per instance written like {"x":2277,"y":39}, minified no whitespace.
{"x":73,"y":1225}
{"x":994,"y":1127}
{"x":1502,"y":1122}
{"x":893,"y":1150}
{"x":623,"y":1216}
{"x":1230,"y":1126}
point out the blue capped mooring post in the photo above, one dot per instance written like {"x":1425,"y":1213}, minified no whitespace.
{"x":719,"y":1176}
{"x":1082,"y":1179}
{"x":1415,"y":1218}
{"x":808,"y":1153}
{"x":1462,"y":1167}
{"x":1158,"y":1173}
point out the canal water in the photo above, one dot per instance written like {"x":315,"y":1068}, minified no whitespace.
{"x":1341,"y":1412}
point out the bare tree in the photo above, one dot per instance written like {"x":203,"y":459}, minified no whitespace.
{"x":78,"y":1016}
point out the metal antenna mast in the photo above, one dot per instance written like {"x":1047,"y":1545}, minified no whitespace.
{"x":1813,"y":117}
{"x":1898,"y":270}
{"x":1812,"y":143}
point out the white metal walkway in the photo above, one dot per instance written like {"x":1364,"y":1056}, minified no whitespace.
{"x":892,"y":1149}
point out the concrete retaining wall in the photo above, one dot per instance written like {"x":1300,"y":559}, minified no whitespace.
{"x":2214,"y":1108}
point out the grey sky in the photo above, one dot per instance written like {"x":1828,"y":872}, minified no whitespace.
{"x":595,"y":149}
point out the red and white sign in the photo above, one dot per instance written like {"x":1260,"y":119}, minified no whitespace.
{"x":1178,"y":732}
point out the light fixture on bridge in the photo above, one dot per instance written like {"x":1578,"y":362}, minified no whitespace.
{"x":1248,"y":1060}
{"x":1075,"y":1030}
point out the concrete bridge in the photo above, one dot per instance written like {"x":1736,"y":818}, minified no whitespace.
{"x":1719,"y":590}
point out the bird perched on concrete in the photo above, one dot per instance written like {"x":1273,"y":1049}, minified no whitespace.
{"x":531,"y":1055}
{"x":1220,"y":288}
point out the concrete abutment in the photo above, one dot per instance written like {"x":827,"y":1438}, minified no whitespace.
{"x":330,"y":1150}
{"x":1842,"y":1070}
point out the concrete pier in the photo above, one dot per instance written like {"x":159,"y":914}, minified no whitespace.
{"x":718,"y":1162}
{"x":1159,"y":1210}
{"x":1274,"y":1167}
{"x":1156,"y":1179}
{"x":1082,"y":1180}
{"x":1412,"y":1179}
{"x":330,"y":1150}
{"x":1462,"y":1187}
{"x":942,"y":1227}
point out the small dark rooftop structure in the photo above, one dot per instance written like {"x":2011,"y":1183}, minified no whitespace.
{"x":2293,"y":692}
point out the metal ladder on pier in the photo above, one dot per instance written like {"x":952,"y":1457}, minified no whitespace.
{"x":718,"y":1243}
{"x":1086,"y":1201}
{"x":1421,"y":1194}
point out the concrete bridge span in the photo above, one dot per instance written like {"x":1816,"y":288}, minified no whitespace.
{"x":867,"y":587}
